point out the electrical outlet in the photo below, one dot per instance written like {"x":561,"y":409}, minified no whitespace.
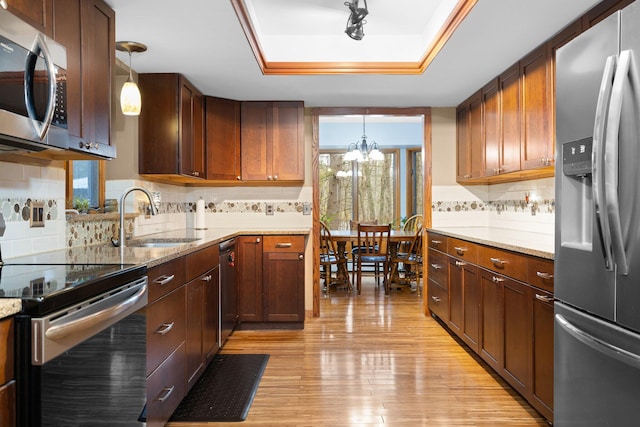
{"x":269,"y":209}
{"x":37,"y":214}
{"x":306,"y":208}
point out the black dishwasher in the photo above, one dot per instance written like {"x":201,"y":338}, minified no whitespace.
{"x":228,"y":290}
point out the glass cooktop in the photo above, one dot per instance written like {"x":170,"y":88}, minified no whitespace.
{"x":47,"y":287}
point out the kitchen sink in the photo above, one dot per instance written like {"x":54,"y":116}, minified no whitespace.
{"x":161,"y":242}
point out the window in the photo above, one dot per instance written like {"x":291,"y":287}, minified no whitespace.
{"x":377,"y":189}
{"x":85,"y":184}
{"x":415,"y":187}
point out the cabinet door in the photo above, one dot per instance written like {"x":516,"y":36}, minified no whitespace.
{"x":35,"y":12}
{"x":194,"y":327}
{"x":191,"y":131}
{"x":255,"y":118}
{"x":249,"y":278}
{"x":284,"y":286}
{"x":211,"y":315}
{"x":518,"y":336}
{"x":463,"y":148}
{"x":537,"y":110}
{"x":491,"y":319}
{"x":8,"y":404}
{"x":510,"y":113}
{"x":542,"y":386}
{"x":476,"y":136}
{"x":456,"y":298}
{"x":223,"y":139}
{"x":287,"y":141}
{"x":87,"y":30}
{"x":471,"y":297}
{"x":492,"y":123}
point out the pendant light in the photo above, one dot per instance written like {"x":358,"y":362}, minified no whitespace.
{"x":130,"y":99}
{"x":361,"y":151}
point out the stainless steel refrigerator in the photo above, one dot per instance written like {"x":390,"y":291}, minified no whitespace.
{"x":597,"y":249}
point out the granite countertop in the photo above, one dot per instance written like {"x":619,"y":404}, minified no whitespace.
{"x":529,"y":243}
{"x":107,"y":254}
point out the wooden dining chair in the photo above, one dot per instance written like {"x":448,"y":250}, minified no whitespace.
{"x":411,"y":262}
{"x":330,"y":259}
{"x":413,"y":223}
{"x":372,"y":249}
{"x":353,"y":225}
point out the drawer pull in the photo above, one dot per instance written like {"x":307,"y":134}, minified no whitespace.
{"x":460,"y":250}
{"x":163,"y":280}
{"x":460,"y":264}
{"x":283,"y":245}
{"x":436,"y":242}
{"x":497,"y":261}
{"x":164,"y":328}
{"x":206,"y":278}
{"x":165,"y":393}
{"x":544,"y":298}
{"x":543,"y":275}
{"x":436,"y":266}
{"x":497,"y":279}
{"x":436,"y":299}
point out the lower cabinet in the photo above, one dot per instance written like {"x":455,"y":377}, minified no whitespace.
{"x":7,"y":381}
{"x":271,"y":281}
{"x":501,"y":305}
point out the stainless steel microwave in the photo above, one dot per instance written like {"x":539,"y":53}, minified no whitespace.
{"x":33,"y":88}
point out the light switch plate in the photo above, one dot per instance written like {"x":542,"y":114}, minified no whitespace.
{"x":306,"y":208}
{"x":37,"y":214}
{"x":269,"y":209}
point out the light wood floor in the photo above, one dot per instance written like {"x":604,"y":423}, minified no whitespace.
{"x":373,"y":360}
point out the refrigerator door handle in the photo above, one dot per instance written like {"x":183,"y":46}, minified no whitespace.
{"x":620,"y":84}
{"x":597,"y":344}
{"x":597,"y":159}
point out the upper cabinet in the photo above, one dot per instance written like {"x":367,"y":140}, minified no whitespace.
{"x":87,"y":29}
{"x":272,"y":141}
{"x":38,"y":13}
{"x":171,"y":128}
{"x":223,"y":139}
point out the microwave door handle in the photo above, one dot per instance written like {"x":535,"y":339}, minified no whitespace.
{"x":40,"y":45}
{"x":620,"y":81}
{"x":597,"y":160}
{"x":606,"y":348}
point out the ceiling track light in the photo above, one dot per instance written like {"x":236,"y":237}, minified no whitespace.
{"x":355,"y":21}
{"x":130,"y":99}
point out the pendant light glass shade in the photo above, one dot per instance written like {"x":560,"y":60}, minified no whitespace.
{"x":130,"y":98}
{"x":362,"y":151}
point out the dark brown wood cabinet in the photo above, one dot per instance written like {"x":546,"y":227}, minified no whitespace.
{"x":283,"y":278}
{"x":223,"y":139}
{"x":491,"y":344}
{"x":518,"y":336}
{"x":272,"y":141}
{"x":270,"y":281}
{"x":249,"y":278}
{"x":437,"y":283}
{"x":171,"y":129}
{"x":202,"y":306}
{"x":463,"y":143}
{"x":542,"y":375}
{"x":38,"y":13}
{"x":7,"y":375}
{"x":87,"y":29}
{"x":537,"y":110}
{"x":510,"y":116}
{"x":491,"y":133}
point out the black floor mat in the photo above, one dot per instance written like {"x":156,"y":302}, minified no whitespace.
{"x":225,"y":390}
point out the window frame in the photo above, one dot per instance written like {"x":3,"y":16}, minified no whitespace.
{"x":69,"y":183}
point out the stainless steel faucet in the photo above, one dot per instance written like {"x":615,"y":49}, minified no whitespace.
{"x":121,"y":240}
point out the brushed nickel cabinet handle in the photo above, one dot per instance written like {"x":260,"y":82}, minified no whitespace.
{"x":460,"y":264}
{"x":544,"y":298}
{"x":436,"y":266}
{"x":166,"y":392}
{"x":543,"y":275}
{"x":163,"y":280}
{"x":164,"y":328}
{"x":436,"y":299}
{"x":283,"y":245}
{"x":436,"y":242}
{"x":497,"y":279}
{"x":497,"y":261}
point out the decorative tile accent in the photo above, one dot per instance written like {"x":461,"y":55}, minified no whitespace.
{"x":498,"y":206}
{"x":18,"y":209}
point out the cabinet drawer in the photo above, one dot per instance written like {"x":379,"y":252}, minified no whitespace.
{"x":504,"y":262}
{"x":6,"y":350}
{"x":437,"y":268}
{"x":166,"y":277}
{"x":463,"y":250}
{"x":198,"y":263}
{"x":166,"y":328}
{"x":436,"y":241}
{"x":283,"y":244}
{"x":541,"y":273}
{"x":165,"y":388}
{"x":438,"y":301}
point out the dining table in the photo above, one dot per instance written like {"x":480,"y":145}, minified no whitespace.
{"x":396,"y":237}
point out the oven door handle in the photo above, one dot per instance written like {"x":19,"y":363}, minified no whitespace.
{"x":94,"y":319}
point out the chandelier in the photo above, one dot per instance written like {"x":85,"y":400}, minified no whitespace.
{"x":356,"y":19}
{"x":362,"y":151}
